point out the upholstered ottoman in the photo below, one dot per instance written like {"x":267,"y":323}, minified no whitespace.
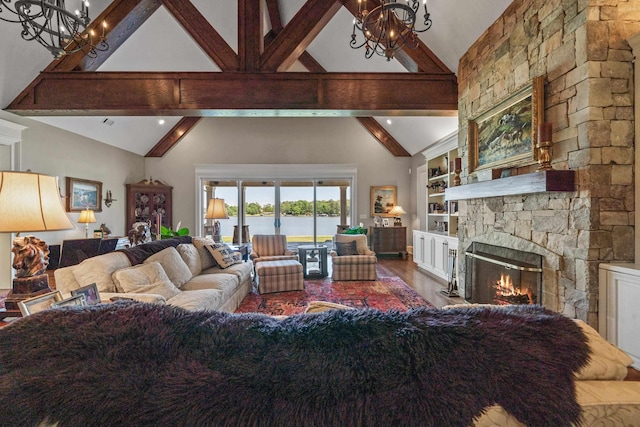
{"x":278,"y":276}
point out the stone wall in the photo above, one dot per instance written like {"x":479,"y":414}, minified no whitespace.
{"x":580,"y":47}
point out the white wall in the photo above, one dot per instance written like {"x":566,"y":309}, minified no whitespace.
{"x":280,"y":141}
{"x":48,"y":150}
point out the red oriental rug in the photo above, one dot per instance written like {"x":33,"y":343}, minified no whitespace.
{"x":386,"y":293}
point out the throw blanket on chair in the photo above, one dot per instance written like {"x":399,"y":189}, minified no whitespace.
{"x":151,"y":365}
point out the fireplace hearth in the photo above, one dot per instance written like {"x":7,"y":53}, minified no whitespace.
{"x":499,"y":275}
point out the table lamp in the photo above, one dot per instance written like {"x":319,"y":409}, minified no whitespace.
{"x":29,"y":202}
{"x":396,"y":211}
{"x":86,"y":217}
{"x":216,"y":211}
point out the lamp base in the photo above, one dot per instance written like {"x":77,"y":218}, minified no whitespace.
{"x":24,"y":288}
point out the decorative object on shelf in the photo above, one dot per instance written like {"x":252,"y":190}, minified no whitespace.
{"x":109,"y":199}
{"x":87,"y":217}
{"x":105,"y":230}
{"x":383,"y":199}
{"x":59,"y":30}
{"x":544,"y":146}
{"x":506,"y":135}
{"x":83,"y":194}
{"x":385,"y":222}
{"x":396,"y":212}
{"x":139,"y":233}
{"x":433,"y":172}
{"x":356,"y":229}
{"x":216,"y":210}
{"x":438,"y":186}
{"x":377,"y":220}
{"x":457,"y":168}
{"x":30,"y":202}
{"x":388,"y":27}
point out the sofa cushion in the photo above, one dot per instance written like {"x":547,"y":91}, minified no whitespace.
{"x":347,"y":248}
{"x":242,"y":270}
{"x":226,"y":283}
{"x":99,"y":269}
{"x":206,"y":259}
{"x":607,"y":362}
{"x":191,"y":257}
{"x":173,"y":265}
{"x":224,"y":255}
{"x":147,"y":278}
{"x":203,"y":299}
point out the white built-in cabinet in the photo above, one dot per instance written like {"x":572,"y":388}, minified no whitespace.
{"x":618,"y":314}
{"x":431,"y":246}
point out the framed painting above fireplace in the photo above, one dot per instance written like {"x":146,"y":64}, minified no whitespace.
{"x":506,"y":135}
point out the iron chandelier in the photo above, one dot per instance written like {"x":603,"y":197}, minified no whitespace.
{"x":388,"y":27}
{"x":53,"y":26}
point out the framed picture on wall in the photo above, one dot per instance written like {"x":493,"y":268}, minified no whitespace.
{"x":83,"y":194}
{"x":383,"y":199}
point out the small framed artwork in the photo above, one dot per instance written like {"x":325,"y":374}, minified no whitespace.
{"x":83,"y":194}
{"x":77,"y":300}
{"x":385,"y":222}
{"x":39,"y":303}
{"x":383,"y":199}
{"x":90,"y":293}
{"x":506,"y":135}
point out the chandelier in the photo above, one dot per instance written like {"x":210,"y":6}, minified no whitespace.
{"x":388,"y":27}
{"x":50,"y":23}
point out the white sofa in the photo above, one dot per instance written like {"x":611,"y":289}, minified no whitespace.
{"x":180,"y":272}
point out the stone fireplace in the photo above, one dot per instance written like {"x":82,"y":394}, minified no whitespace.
{"x":503,"y":276}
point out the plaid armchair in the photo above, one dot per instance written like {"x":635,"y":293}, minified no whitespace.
{"x":359,"y":264}
{"x":270,"y":247}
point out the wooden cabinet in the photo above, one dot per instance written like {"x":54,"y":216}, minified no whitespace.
{"x":619,"y":322}
{"x":388,"y":240}
{"x":145,"y":201}
{"x":431,"y":252}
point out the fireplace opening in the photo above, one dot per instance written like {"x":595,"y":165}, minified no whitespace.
{"x":498,"y":275}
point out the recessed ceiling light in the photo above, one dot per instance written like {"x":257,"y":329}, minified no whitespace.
{"x":161,"y":122}
{"x":388,"y":121}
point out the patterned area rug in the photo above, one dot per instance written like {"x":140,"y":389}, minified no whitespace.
{"x":386,"y":293}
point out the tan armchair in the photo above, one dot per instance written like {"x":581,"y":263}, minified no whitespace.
{"x":270,"y":247}
{"x":358,"y":261}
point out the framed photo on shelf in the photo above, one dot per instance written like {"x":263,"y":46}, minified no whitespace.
{"x":77,"y":300}
{"x":39,"y":303}
{"x":383,"y":199}
{"x":83,"y":194}
{"x":90,"y":293}
{"x":385,"y":222}
{"x":507,"y":134}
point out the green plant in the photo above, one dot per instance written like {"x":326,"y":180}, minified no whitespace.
{"x":167,"y":233}
{"x":355,"y":230}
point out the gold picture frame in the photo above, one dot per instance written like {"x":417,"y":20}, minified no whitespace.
{"x":506,"y":135}
{"x":83,"y":194}
{"x":383,"y":199}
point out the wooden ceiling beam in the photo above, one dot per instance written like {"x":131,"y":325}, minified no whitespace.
{"x":385,"y":138}
{"x":250,"y":34}
{"x":179,"y":131}
{"x":298,"y":34}
{"x":219,"y":94}
{"x":273,"y":9}
{"x":201,"y":31}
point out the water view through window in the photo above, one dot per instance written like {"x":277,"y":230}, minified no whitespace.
{"x":306,"y":211}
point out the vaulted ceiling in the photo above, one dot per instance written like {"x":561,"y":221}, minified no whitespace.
{"x":268,"y":71}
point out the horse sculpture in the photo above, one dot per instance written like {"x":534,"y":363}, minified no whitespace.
{"x":31,"y":256}
{"x":140,"y":233}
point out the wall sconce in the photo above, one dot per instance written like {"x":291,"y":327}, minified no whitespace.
{"x":109,"y":199}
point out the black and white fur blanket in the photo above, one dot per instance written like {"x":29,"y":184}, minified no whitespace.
{"x":136,"y":364}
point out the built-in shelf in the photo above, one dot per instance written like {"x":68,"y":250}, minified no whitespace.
{"x":536,"y":182}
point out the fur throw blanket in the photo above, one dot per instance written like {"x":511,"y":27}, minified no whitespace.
{"x":152,"y":365}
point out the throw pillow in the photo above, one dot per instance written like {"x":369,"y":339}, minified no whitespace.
{"x":147,"y":278}
{"x":206,"y":259}
{"x":98,"y":270}
{"x":347,"y":248}
{"x":224,"y":255}
{"x":173,"y":265}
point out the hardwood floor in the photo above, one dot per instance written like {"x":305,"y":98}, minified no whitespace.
{"x":423,"y":283}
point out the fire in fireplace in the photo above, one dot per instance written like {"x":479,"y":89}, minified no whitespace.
{"x":498,"y":275}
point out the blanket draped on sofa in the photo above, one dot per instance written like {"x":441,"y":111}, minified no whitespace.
{"x":144,"y":364}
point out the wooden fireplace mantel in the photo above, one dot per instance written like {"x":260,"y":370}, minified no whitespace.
{"x":536,"y":182}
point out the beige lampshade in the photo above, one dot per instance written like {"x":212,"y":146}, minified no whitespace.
{"x":216,"y":209}
{"x":31,"y":202}
{"x":397,"y":211}
{"x":87,"y":217}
